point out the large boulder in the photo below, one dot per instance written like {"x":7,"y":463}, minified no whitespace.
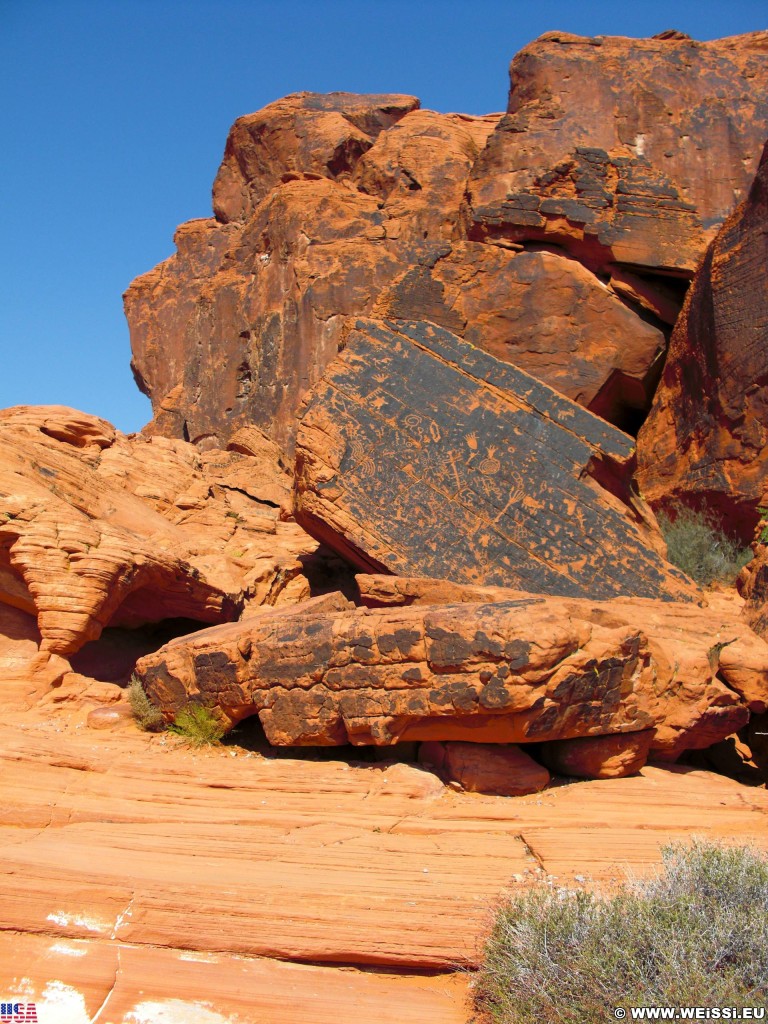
{"x":519,"y":670}
{"x":628,"y":151}
{"x":510,"y":672}
{"x":102,"y":529}
{"x":320,"y":203}
{"x":706,"y":438}
{"x":704,"y":652}
{"x":421,"y":455}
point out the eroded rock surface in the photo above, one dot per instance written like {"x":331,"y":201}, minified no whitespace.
{"x":520,"y":669}
{"x":558,"y":237}
{"x":599,"y":757}
{"x":704,"y":653}
{"x":99,"y":529}
{"x":628,"y":151}
{"x":419,"y":454}
{"x":502,"y":769}
{"x":706,"y":438}
{"x":108,"y":839}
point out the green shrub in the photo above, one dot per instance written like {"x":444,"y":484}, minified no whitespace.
{"x":699,"y":547}
{"x":198,"y":725}
{"x":695,"y":935}
{"x":148,"y":717}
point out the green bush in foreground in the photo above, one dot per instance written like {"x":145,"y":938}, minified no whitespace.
{"x":148,"y":717}
{"x":198,"y":725}
{"x":695,"y":935}
{"x":696,"y":545}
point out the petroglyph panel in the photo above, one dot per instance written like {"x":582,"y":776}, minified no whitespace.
{"x":419,"y":454}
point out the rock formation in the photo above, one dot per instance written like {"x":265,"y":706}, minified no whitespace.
{"x":627,"y":151}
{"x":515,"y":668}
{"x":486,"y":768}
{"x":706,"y":439}
{"x":422,"y":455}
{"x":625,"y":154}
{"x":98,"y":529}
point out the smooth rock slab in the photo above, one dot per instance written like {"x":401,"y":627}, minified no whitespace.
{"x":418,"y":454}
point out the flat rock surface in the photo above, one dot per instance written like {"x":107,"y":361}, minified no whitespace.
{"x":110,"y":838}
{"x":421,"y":455}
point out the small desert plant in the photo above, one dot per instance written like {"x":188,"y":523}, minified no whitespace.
{"x":697,"y":545}
{"x":198,"y":725}
{"x":148,"y":717}
{"x":694,"y":935}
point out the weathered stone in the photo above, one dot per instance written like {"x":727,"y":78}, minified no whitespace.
{"x":623,"y":150}
{"x":304,"y":134}
{"x":544,"y":313}
{"x":705,"y":656}
{"x":598,"y":757}
{"x":99,"y":529}
{"x":419,"y":454}
{"x":259,"y":303}
{"x":501,"y":673}
{"x":706,"y":439}
{"x":520,"y":670}
{"x":503,"y":770}
{"x":109,"y":717}
{"x":330,"y":207}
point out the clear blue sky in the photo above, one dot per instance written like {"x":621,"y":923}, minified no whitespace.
{"x":115,"y":114}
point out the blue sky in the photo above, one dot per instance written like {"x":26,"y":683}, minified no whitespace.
{"x":115,"y":114}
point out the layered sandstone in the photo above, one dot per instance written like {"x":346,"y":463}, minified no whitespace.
{"x":320,"y":890}
{"x":628,"y":151}
{"x":513,"y":669}
{"x":99,"y":529}
{"x":704,"y":650}
{"x":420,"y":454}
{"x":706,"y":438}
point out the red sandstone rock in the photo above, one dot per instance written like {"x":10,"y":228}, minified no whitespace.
{"x":263,"y":848}
{"x":304,"y":134}
{"x":501,"y":673}
{"x":505,"y":770}
{"x":706,"y":439}
{"x":599,"y":757}
{"x":701,"y":652}
{"x":628,"y":151}
{"x":99,"y":529}
{"x":543,"y":312}
{"x":330,"y":207}
{"x":419,"y":454}
{"x":512,"y":670}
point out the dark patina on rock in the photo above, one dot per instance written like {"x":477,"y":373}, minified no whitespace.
{"x":419,"y":454}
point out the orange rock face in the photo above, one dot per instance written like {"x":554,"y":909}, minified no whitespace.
{"x":486,"y":768}
{"x":706,"y":438}
{"x":538,"y":236}
{"x":599,"y":757}
{"x":705,"y":656}
{"x":321,"y":890}
{"x":628,"y":151}
{"x":98,"y":529}
{"x":516,"y":668}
